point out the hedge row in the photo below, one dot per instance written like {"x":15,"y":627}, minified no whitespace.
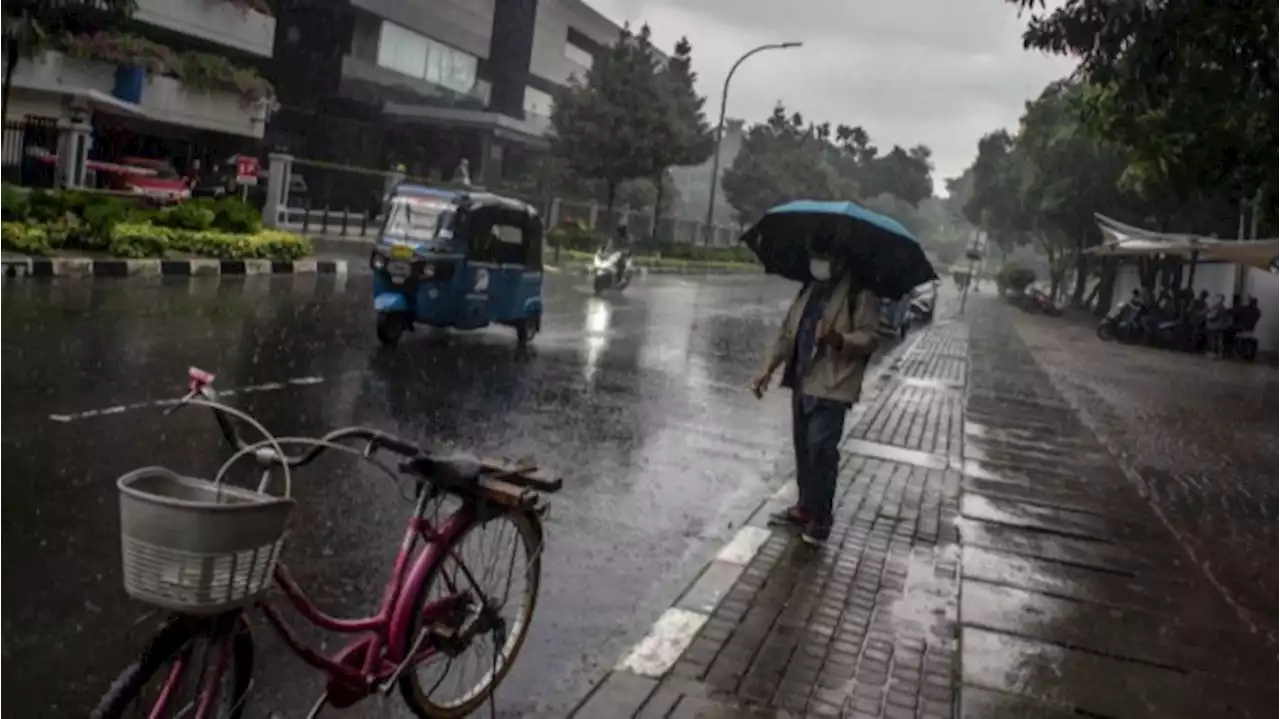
{"x":144,"y":239}
{"x":41,"y":222}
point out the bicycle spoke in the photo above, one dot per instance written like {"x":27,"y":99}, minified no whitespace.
{"x":484,"y":563}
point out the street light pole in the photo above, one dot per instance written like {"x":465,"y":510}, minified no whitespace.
{"x":715,"y":153}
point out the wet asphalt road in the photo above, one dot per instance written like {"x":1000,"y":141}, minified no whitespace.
{"x":637,"y":401}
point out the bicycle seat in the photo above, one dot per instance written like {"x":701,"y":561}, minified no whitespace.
{"x":455,"y":471}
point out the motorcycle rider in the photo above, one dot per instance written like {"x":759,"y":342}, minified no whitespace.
{"x":620,"y":243}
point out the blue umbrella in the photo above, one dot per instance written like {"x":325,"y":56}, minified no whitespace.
{"x":882,"y":254}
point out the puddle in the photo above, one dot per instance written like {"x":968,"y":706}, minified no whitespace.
{"x":930,"y":383}
{"x":984,"y":468}
{"x":1048,"y":519}
{"x":979,"y":703}
{"x":1105,"y":630}
{"x":1064,"y":580}
{"x":1057,"y":548}
{"x":1101,"y":685}
{"x":895,"y":454}
{"x":927,"y":599}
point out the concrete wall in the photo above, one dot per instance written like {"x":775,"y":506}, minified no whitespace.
{"x":28,"y":103}
{"x":214,"y":20}
{"x":164,"y":99}
{"x":464,"y":24}
{"x":551,"y":32}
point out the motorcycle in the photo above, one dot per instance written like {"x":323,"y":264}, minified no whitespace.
{"x":1121,"y":324}
{"x":605,"y":271}
{"x":923,"y":300}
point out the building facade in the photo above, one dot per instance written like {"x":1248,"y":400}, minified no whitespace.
{"x":124,"y":90}
{"x":426,"y":84}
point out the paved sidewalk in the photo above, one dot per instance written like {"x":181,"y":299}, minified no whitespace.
{"x":991,"y":558}
{"x":864,"y":628}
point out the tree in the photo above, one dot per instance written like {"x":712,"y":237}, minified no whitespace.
{"x":1187,"y":87}
{"x":782,"y":159}
{"x":902,"y":173}
{"x":606,"y":127}
{"x":28,"y":25}
{"x":686,"y":137}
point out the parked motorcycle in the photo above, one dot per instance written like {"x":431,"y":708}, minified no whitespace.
{"x":1122,"y":323}
{"x":923,"y":300}
{"x":605,"y":271}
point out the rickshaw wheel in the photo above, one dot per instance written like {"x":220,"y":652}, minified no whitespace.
{"x":390,"y":327}
{"x":526,"y":329}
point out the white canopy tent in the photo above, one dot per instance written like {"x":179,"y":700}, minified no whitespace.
{"x":1121,"y":240}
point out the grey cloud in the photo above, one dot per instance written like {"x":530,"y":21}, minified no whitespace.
{"x":938,"y":72}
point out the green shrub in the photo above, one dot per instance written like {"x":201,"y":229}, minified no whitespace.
{"x":29,"y":239}
{"x":186,"y":216}
{"x":140,"y":239}
{"x":150,"y":240}
{"x":100,"y":215}
{"x":1014,"y":277}
{"x":50,"y":205}
{"x":16,"y":203}
{"x":232,"y":214}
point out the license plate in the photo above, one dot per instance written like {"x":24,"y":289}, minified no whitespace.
{"x":401,"y":252}
{"x":399,"y":269}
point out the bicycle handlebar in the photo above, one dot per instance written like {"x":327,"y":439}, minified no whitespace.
{"x":199,"y":387}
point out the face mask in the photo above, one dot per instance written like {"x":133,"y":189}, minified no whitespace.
{"x":820,"y":269}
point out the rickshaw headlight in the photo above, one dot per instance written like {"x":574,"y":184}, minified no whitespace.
{"x":429,"y":271}
{"x":379,"y":262}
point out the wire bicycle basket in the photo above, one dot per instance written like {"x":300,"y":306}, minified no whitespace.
{"x":198,"y":547}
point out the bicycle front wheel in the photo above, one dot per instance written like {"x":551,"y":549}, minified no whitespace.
{"x":169,"y":677}
{"x":499,"y":560}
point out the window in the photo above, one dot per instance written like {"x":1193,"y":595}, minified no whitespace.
{"x":579,"y":55}
{"x":401,"y":50}
{"x":406,"y":51}
{"x":537,"y":102}
{"x":418,"y":219}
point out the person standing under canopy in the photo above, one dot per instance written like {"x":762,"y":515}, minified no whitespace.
{"x":825,"y":342}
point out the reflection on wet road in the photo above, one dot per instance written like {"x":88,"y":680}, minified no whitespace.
{"x":636,"y":400}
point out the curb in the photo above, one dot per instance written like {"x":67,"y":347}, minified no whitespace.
{"x":637,"y":672}
{"x":86,"y":267}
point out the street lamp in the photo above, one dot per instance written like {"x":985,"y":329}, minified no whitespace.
{"x":715,"y":153}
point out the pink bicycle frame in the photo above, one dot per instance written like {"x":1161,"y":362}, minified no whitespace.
{"x":357,"y":669}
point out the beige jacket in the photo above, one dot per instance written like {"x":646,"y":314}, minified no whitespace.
{"x":835,"y":374}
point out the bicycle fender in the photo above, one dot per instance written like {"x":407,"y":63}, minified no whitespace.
{"x":402,"y":615}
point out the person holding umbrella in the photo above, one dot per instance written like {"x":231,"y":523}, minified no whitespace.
{"x":825,"y":342}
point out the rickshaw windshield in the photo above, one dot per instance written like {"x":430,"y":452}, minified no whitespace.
{"x":419,"y":219}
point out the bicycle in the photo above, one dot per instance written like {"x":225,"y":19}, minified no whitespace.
{"x":237,"y":535}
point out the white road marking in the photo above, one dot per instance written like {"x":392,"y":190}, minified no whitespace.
{"x":744,"y":545}
{"x":153,"y":404}
{"x":787,"y":493}
{"x":665,"y":642}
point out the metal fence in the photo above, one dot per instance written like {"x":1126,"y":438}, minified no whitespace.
{"x":639,"y":223}
{"x":24,"y":140}
{"x":333,"y":200}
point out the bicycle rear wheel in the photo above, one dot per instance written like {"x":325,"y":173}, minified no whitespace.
{"x":168,"y":677}
{"x":504,"y":558}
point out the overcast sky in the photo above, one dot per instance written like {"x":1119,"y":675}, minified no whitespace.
{"x":938,"y":72}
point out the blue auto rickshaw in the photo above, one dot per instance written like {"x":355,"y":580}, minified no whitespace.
{"x":456,"y":258}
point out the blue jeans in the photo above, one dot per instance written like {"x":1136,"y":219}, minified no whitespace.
{"x":816,"y":428}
